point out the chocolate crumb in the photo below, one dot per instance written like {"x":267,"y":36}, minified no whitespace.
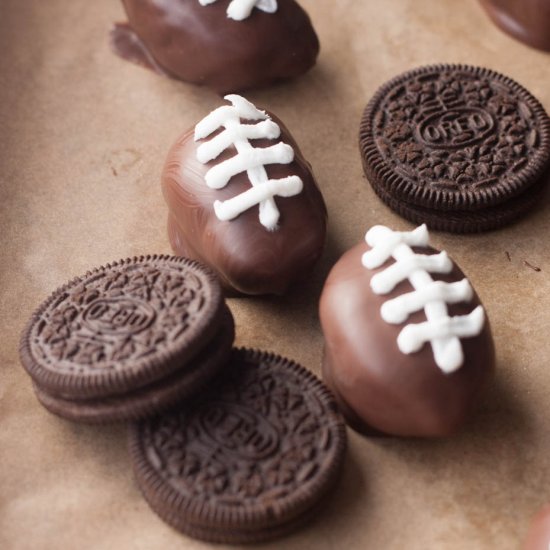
{"x":531,"y":266}
{"x":508,"y":255}
{"x":115,"y":173}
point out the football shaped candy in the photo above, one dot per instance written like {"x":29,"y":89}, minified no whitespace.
{"x":408,"y":348}
{"x":244,"y":201}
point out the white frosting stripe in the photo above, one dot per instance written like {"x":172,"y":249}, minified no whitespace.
{"x":387,"y":280}
{"x":249,"y":159}
{"x":286,"y":187}
{"x":210,"y":150}
{"x":241,"y":9}
{"x":440,"y":330}
{"x":398,"y":310}
{"x":241,"y":107}
{"x":383,"y":241}
{"x":444,"y":334}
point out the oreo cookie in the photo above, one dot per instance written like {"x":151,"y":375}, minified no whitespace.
{"x":128,"y":339}
{"x":460,"y":148}
{"x":249,"y":459}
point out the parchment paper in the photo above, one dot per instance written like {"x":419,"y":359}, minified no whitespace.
{"x":83,"y":136}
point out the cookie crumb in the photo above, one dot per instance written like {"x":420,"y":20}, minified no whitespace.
{"x":531,"y":266}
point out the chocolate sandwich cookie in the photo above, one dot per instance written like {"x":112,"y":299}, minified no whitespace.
{"x":486,"y":219}
{"x":249,"y":459}
{"x":127,"y":339}
{"x":460,"y":148}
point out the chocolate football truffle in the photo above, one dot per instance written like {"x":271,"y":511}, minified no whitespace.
{"x":227,"y":45}
{"x":525,"y":20}
{"x":408,"y":348}
{"x":244,"y":201}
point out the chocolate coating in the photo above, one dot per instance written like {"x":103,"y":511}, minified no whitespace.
{"x":247,"y":257}
{"x":200,"y":44}
{"x":538,"y":537}
{"x":525,"y":20}
{"x":377,"y":385}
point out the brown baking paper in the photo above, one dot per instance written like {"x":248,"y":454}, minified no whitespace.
{"x":83,"y":138}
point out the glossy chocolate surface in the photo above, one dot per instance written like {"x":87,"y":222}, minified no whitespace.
{"x":379,"y":387}
{"x":200,"y":44}
{"x":526,"y":20}
{"x":247,"y":257}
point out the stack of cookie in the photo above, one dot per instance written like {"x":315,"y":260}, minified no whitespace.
{"x":460,"y":148}
{"x":128,"y":340}
{"x":231,"y":445}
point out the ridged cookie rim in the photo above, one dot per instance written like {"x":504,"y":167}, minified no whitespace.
{"x":246,"y":524}
{"x":107,"y":383}
{"x":457,"y":200}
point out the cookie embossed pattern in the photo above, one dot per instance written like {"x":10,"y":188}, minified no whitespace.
{"x":248,"y":460}
{"x":127,"y":339}
{"x":460,"y":148}
{"x":79,"y":332}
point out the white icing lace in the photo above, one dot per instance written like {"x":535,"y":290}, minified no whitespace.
{"x":241,"y":9}
{"x":248,"y":159}
{"x":441,"y":331}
